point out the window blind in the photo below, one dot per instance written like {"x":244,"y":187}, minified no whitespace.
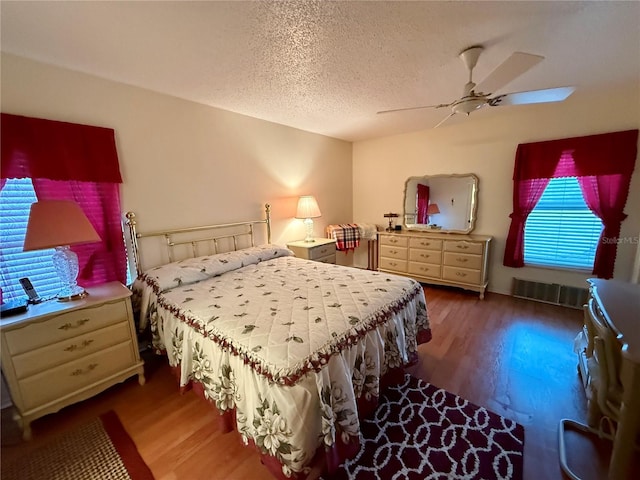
{"x":561,"y":231}
{"x":15,"y":202}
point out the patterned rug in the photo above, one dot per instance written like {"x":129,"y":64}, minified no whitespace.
{"x":99,"y":450}
{"x":421,"y":432}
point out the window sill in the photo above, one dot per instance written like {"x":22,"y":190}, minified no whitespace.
{"x":583,"y":271}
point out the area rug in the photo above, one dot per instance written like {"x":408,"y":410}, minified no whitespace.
{"x":421,"y":432}
{"x":98,"y":450}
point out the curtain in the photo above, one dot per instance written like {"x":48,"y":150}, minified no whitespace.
{"x":422,"y":202}
{"x":68,"y":161}
{"x":526,"y":194}
{"x":103,"y":261}
{"x":606,"y":195}
{"x":609,"y":158}
{"x":39,"y":148}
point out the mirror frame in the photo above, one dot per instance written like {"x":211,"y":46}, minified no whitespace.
{"x":473,"y":208}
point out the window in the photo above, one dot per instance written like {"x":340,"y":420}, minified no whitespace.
{"x":15,"y":202}
{"x":561,"y":231}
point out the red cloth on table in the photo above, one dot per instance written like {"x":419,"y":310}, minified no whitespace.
{"x":346,"y":235}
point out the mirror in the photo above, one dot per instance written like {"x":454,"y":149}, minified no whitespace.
{"x":446,"y":203}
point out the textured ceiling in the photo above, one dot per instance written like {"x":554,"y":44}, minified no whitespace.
{"x":328,"y":67}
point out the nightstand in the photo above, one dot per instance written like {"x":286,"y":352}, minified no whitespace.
{"x":322,"y":250}
{"x":59,"y":353}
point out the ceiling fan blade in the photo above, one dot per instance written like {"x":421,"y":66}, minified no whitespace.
{"x":533,"y":96}
{"x":414,"y":108}
{"x":509,"y":70}
{"x":445,"y":119}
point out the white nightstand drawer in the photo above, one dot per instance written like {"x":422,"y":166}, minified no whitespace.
{"x":52,"y":384}
{"x":35,"y":361}
{"x":66,"y":325}
{"x":327,"y":259}
{"x":320,"y":251}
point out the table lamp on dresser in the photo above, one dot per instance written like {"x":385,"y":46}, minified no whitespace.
{"x":59,"y":224}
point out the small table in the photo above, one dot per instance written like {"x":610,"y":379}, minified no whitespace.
{"x":320,"y":250}
{"x":620,"y":305}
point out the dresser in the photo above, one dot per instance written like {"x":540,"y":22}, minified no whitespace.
{"x":321,"y":250}
{"x":436,"y":258}
{"x":59,"y":353}
{"x":617,"y":305}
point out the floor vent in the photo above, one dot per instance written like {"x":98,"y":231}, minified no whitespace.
{"x":574,"y":297}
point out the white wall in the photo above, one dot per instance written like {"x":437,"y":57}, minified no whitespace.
{"x":485,"y":144}
{"x":185,"y":164}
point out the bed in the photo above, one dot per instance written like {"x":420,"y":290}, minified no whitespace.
{"x":292,"y":353}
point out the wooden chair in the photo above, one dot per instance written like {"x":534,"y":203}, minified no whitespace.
{"x":605,"y":389}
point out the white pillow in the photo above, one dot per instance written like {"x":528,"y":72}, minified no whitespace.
{"x":193,"y":270}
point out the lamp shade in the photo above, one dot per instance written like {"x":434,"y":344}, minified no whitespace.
{"x":308,"y":207}
{"x":55,"y":223}
{"x":433,"y":209}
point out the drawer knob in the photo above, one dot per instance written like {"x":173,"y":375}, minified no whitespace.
{"x":79,"y":371}
{"x":462,"y":259}
{"x":461,"y":274}
{"x":68,"y":326}
{"x":424,"y":256}
{"x":393,"y":240}
{"x":425,"y":244}
{"x":393,"y":264}
{"x":463,"y":247}
{"x":393,"y":252}
{"x":73,"y":347}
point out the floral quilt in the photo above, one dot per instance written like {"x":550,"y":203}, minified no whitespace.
{"x":290,"y":346}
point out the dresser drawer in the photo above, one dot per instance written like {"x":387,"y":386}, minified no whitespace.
{"x":35,"y":361}
{"x":427,"y":243}
{"x":463,"y":260}
{"x":70,"y":377}
{"x":427,"y":256}
{"x":394,"y":241}
{"x":463,"y":246}
{"x":424,"y":269}
{"x":315,"y":253}
{"x":393,"y":252}
{"x":391,"y":264}
{"x":461,"y":275}
{"x":64,"y":326}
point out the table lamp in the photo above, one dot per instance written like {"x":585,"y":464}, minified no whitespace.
{"x":59,"y":224}
{"x":432,"y":209}
{"x":308,"y":210}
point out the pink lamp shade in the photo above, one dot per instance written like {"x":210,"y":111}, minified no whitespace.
{"x":59,"y":224}
{"x":308,"y":207}
{"x":432,"y":209}
{"x":55,"y":223}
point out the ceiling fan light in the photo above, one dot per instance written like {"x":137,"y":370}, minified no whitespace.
{"x":469,"y":105}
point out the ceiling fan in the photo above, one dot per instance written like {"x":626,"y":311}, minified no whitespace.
{"x":474,"y":98}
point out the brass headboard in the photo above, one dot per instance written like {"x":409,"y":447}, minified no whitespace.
{"x":171,"y":242}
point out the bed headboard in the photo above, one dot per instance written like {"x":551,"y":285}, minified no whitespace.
{"x":208,"y":236}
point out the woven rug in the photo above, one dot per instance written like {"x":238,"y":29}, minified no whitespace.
{"x":420,"y":432}
{"x":98,"y":450}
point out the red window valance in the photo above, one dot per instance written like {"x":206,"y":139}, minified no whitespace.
{"x":39,"y":148}
{"x":605,"y":154}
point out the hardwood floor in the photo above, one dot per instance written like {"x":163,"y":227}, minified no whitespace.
{"x":512,"y":356}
